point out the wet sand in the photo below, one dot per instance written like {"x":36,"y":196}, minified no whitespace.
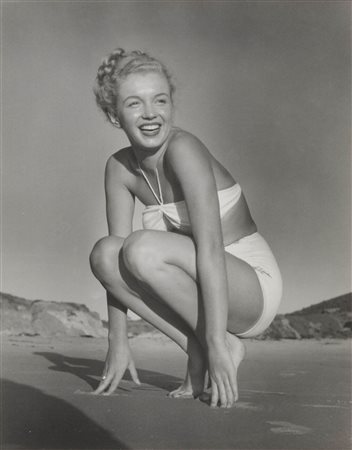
{"x":293,"y":395}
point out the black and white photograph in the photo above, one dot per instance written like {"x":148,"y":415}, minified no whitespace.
{"x":175,"y":225}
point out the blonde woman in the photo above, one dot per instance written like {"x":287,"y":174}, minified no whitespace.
{"x":199,"y":271}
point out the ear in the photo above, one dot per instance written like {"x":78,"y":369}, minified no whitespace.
{"x":114,"y":121}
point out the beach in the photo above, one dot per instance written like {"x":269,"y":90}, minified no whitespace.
{"x":293,"y":394}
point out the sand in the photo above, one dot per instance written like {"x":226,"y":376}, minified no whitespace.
{"x":293,"y":395}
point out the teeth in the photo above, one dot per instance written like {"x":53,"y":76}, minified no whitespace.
{"x":150,"y":127}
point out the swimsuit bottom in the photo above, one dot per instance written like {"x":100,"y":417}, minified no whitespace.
{"x":255,"y":251}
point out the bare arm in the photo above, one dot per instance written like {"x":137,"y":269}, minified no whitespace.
{"x":119,"y":209}
{"x":119,"y":199}
{"x":119,"y":213}
{"x":191,"y":163}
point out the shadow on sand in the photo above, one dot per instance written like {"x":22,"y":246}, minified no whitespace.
{"x":33,"y":420}
{"x":89,"y":369}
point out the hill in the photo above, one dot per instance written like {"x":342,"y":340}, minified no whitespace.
{"x":19,"y":316}
{"x":343,"y":304}
{"x":328,"y":319}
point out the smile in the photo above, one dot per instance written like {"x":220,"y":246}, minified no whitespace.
{"x":150,"y":128}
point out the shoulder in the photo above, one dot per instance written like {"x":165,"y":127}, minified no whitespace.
{"x":119,"y":167}
{"x":119,"y":159}
{"x":183,"y":140}
{"x":184,"y":147}
{"x":120,"y":162}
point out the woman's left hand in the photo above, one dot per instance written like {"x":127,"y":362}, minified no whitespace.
{"x":223,"y":376}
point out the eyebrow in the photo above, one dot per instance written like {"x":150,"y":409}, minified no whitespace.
{"x":139,"y":98}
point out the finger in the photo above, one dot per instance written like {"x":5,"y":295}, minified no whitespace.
{"x":234,"y":387}
{"x":214,"y":395}
{"x":222,"y":394}
{"x":229,"y":393}
{"x":115,"y":382}
{"x":103,"y":385}
{"x":207,"y":382}
{"x":134,"y":374}
{"x":113,"y":386}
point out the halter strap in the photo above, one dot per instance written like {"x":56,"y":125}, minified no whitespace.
{"x":159,"y":199}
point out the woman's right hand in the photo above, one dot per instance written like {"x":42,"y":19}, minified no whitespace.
{"x":118,"y":359}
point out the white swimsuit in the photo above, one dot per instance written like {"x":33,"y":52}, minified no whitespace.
{"x":169,"y":216}
{"x":252,"y":249}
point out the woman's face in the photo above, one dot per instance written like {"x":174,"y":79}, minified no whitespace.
{"x":145,"y":110}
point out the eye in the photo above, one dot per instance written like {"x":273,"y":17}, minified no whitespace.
{"x":161,"y":101}
{"x":133,"y":104}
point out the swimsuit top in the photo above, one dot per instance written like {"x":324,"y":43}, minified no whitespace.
{"x":168,"y":216}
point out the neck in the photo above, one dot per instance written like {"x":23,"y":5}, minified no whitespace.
{"x":149,"y":159}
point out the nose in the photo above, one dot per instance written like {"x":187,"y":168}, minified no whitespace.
{"x":148,"y":111}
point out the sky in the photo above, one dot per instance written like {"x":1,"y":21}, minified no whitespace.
{"x":265,"y":85}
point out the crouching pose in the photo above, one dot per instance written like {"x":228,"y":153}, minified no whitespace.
{"x":199,"y":271}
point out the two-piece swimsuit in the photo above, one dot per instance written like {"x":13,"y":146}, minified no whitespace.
{"x":252,"y":249}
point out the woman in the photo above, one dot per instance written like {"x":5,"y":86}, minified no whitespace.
{"x":199,"y":271}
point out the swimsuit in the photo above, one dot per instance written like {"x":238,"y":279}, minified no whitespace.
{"x":174,"y":216}
{"x":252,"y":249}
{"x":256,"y":252}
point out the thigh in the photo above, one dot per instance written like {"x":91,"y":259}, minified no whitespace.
{"x":245,"y":293}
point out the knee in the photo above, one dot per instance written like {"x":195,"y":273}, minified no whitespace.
{"x":141,"y":254}
{"x":104,"y":257}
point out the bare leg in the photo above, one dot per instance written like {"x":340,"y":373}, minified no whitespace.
{"x":167,"y":263}
{"x":108,"y":266}
{"x":163,"y":265}
{"x":195,"y":379}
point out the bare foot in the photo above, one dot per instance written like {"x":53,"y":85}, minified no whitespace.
{"x":192,"y":387}
{"x":194,"y":382}
{"x":237,"y":350}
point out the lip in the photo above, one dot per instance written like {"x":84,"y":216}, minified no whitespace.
{"x":152,"y":126}
{"x":150,"y":129}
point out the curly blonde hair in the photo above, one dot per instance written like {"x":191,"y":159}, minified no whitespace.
{"x":117,"y":66}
